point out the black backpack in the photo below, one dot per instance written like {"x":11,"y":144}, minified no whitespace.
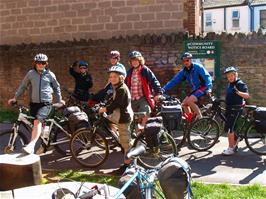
{"x":260,"y":119}
{"x":175,"y":178}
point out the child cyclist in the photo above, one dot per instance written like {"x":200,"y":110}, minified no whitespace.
{"x":119,"y":108}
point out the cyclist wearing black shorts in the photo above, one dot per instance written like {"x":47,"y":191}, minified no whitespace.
{"x":42,"y":83}
{"x":236,"y":92}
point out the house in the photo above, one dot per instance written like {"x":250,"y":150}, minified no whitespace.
{"x":234,"y":16}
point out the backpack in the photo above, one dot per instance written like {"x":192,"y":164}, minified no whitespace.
{"x":152,"y":131}
{"x":175,"y":178}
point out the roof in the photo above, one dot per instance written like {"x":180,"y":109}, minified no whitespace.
{"x":230,"y":3}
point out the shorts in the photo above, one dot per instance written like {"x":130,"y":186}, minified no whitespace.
{"x":199,"y":93}
{"x":40,"y":111}
{"x":231,"y":119}
{"x":141,"y":105}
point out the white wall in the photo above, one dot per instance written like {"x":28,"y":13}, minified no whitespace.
{"x":218,"y":20}
{"x":244,"y":21}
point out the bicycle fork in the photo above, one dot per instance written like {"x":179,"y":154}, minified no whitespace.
{"x":12,"y":139}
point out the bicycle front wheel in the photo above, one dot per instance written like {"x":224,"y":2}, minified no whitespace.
{"x":9,"y":143}
{"x":154,"y":156}
{"x":256,"y":141}
{"x":89,"y":149}
{"x":203,"y":134}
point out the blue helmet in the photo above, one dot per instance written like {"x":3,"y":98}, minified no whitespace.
{"x":118,"y":68}
{"x":134,"y":54}
{"x":186,"y":55}
{"x":83,"y":63}
{"x":230,"y":69}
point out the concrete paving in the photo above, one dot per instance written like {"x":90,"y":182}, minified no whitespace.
{"x":244,"y":167}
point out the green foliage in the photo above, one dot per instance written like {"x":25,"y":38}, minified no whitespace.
{"x":7,"y":115}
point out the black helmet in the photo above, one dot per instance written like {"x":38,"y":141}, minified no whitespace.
{"x":115,"y":54}
{"x":83,"y":63}
{"x":186,"y":55}
{"x":230,"y":69}
{"x":134,"y":54}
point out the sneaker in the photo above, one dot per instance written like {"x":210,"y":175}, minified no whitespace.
{"x":228,"y":151}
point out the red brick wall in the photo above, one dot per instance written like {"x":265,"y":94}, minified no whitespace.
{"x":36,"y":21}
{"x":161,"y":52}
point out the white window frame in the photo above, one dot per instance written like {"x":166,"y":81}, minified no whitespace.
{"x":262,"y":26}
{"x":235,"y":18}
{"x":208,"y":20}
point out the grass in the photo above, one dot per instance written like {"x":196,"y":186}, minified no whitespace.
{"x":7,"y":115}
{"x":200,"y":190}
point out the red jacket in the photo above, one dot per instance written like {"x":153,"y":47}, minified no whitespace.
{"x":149,"y":82}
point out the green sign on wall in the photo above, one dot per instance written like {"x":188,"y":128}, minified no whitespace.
{"x":208,"y":54}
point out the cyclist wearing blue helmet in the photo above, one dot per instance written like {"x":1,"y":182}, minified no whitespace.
{"x":199,"y":80}
{"x":236,"y":92}
{"x":83,"y":80}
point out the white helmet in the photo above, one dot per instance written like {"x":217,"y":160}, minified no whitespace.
{"x":41,"y":57}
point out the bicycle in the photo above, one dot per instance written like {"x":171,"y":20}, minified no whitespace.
{"x":12,"y":140}
{"x":205,"y":132}
{"x":91,"y":147}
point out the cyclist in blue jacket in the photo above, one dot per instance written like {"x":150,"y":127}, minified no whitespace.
{"x":199,"y":80}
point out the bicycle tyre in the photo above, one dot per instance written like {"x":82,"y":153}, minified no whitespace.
{"x":20,"y":142}
{"x":179,"y":136}
{"x":151,"y":159}
{"x":203,"y":134}
{"x":255,"y":141}
{"x":85,"y":149}
{"x":59,"y":135}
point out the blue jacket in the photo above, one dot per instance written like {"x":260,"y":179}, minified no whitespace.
{"x":197,"y":77}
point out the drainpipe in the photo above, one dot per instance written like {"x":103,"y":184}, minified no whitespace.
{"x":251,"y":8}
{"x":225,"y":19}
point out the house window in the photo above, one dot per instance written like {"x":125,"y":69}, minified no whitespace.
{"x":235,"y":18}
{"x":263,"y":19}
{"x":208,"y":21}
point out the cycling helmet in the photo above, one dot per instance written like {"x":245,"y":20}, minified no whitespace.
{"x":118,"y":68}
{"x":115,"y":54}
{"x":134,"y":54}
{"x":186,"y":55}
{"x":230,"y":69}
{"x":83,"y":63}
{"x":41,"y":57}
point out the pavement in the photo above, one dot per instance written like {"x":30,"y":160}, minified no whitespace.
{"x":244,"y":167}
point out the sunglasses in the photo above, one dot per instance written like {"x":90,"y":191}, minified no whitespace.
{"x":40,"y":62}
{"x":186,"y":60}
{"x":83,"y":67}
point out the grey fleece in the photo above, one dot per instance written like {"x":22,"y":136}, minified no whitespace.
{"x":42,"y":86}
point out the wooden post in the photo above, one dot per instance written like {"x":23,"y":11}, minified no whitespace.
{"x":19,"y":170}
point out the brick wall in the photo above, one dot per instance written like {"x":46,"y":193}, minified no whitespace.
{"x":36,"y":21}
{"x":160,"y":51}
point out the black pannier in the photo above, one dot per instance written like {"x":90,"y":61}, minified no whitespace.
{"x":260,"y":126}
{"x":152,"y":131}
{"x":77,"y":119}
{"x":175,"y":178}
{"x":260,"y":113}
{"x":172,"y":115}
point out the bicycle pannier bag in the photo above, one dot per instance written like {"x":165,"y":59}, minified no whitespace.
{"x":260,"y":126}
{"x":152,"y":131}
{"x":172,"y":116}
{"x":260,"y":113}
{"x":132,"y":192}
{"x":174,"y":177}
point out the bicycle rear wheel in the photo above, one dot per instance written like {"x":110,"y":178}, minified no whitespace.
{"x":256,"y":141}
{"x":203,"y":134}
{"x":89,"y":150}
{"x":154,"y":156}
{"x":179,"y":136}
{"x":19,"y":142}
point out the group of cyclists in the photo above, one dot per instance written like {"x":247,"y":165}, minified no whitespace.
{"x":126,"y":92}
